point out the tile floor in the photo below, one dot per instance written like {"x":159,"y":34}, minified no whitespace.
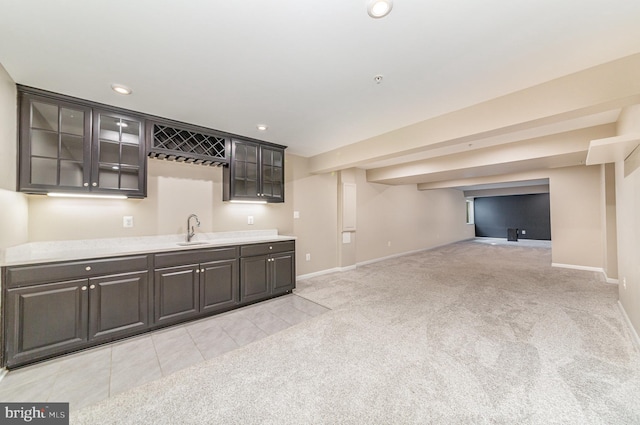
{"x":93,"y":375}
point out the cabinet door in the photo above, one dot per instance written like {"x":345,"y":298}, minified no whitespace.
{"x":244,"y":168}
{"x":254,"y":283}
{"x":118,"y":305}
{"x":218,"y":285}
{"x":118,"y":154}
{"x":272,"y":173}
{"x":176,"y":293}
{"x":55,"y":140}
{"x":283,"y":272}
{"x":45,"y":320}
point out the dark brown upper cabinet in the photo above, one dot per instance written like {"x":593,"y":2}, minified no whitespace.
{"x":70,"y":145}
{"x":255,"y":172}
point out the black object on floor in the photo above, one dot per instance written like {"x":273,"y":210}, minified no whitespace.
{"x":512,"y":235}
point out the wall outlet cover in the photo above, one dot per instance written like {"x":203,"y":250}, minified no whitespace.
{"x":127,"y":221}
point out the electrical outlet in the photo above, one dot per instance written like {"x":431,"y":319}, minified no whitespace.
{"x":524,"y":232}
{"x":127,"y":221}
{"x":308,"y":257}
{"x":250,"y":219}
{"x":296,"y":214}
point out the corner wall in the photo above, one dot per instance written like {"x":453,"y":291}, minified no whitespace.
{"x":577,"y":235}
{"x":628,"y":221}
{"x":13,"y":205}
{"x":396,"y":219}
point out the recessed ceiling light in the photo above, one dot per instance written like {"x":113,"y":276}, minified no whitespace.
{"x":379,"y":8}
{"x":119,"y":88}
{"x":262,"y":127}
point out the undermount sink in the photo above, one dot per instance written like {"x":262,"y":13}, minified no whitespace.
{"x":192,"y":243}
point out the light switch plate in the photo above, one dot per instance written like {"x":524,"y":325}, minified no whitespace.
{"x":250,"y":219}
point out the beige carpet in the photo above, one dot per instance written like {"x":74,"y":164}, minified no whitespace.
{"x":467,"y":333}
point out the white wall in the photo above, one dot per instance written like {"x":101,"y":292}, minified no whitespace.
{"x":628,"y":223}
{"x":577,"y":233}
{"x":397,"y":219}
{"x":13,"y":205}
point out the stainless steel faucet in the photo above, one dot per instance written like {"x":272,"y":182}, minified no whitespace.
{"x":190,"y":230}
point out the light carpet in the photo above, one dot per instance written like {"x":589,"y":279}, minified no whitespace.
{"x":466,"y":333}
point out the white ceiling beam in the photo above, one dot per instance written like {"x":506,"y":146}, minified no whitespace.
{"x":602,"y":88}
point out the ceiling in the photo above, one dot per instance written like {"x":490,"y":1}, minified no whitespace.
{"x":307,"y":70}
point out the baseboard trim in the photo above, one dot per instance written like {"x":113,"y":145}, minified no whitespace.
{"x":375,"y":260}
{"x":402,"y":254}
{"x":323,"y":272}
{"x":610,"y":279}
{"x":634,"y":334}
{"x":3,"y":373}
{"x":589,"y":269}
{"x":574,"y":267}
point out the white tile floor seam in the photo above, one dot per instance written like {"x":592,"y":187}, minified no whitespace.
{"x":92,"y":375}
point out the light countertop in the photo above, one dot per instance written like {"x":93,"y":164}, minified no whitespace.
{"x":44,"y":252}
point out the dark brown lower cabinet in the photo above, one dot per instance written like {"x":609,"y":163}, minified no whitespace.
{"x":271,"y":272}
{"x":118,"y":305}
{"x":189,"y":290}
{"x":47,"y":319}
{"x":59,"y":307}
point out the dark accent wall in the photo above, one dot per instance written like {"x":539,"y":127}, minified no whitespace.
{"x":495,"y":214}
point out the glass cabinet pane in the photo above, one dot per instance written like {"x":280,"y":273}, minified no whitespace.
{"x":71,"y":121}
{"x":240,"y":152}
{"x":129,"y":179}
{"x":252,"y":154}
{"x":267,"y":157}
{"x":130,"y":155}
{"x":130,"y":132}
{"x":109,"y":177}
{"x":72,"y":147}
{"x":44,"y":116}
{"x":277,"y":158}
{"x":71,"y":173}
{"x":109,"y":152}
{"x":44,"y":171}
{"x":109,"y":128}
{"x":44,"y":143}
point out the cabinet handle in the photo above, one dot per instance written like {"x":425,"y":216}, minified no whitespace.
{"x":92,"y":287}
{"x":197,"y":270}
{"x":88,"y":268}
{"x":94,"y":184}
{"x":270,"y":247}
{"x":202,"y":270}
{"x":84,"y":288}
{"x":85,"y":184}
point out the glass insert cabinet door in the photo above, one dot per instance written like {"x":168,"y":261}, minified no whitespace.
{"x":54,"y":148}
{"x":272,"y":172}
{"x":118,"y":152}
{"x":245,"y":170}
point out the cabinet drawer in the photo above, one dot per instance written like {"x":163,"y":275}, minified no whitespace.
{"x":181,"y":258}
{"x":44,"y":273}
{"x":267,"y":248}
